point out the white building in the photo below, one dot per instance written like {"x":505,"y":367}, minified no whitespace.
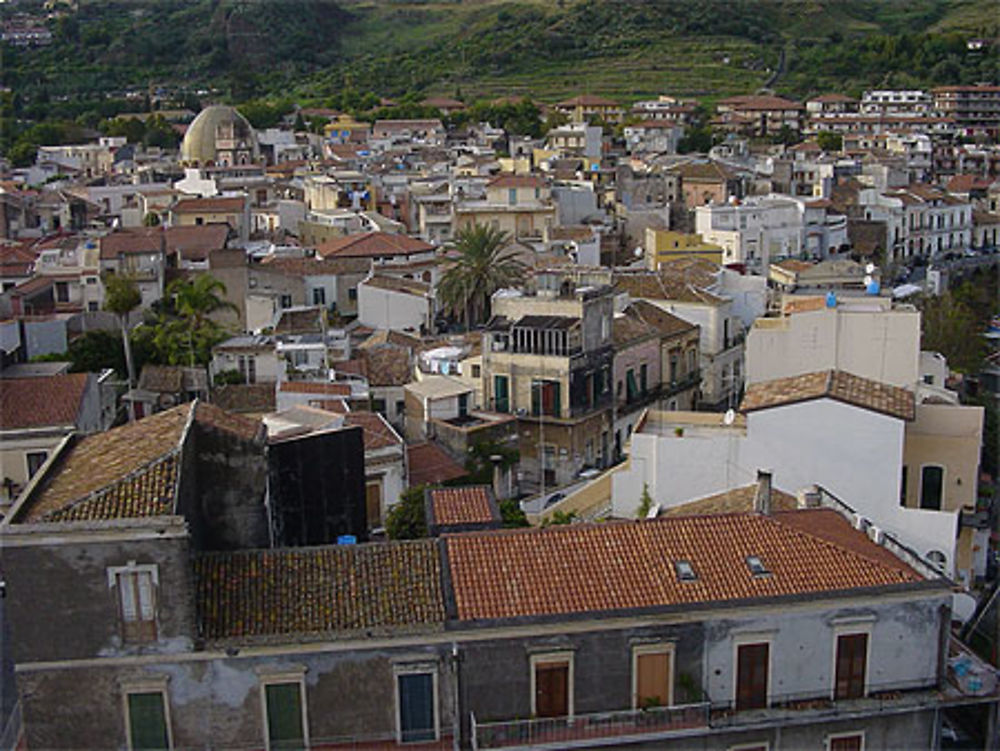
{"x":389,"y":302}
{"x":897,"y":102}
{"x":921,"y":220}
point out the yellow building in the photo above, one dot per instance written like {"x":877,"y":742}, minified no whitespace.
{"x":664,"y":245}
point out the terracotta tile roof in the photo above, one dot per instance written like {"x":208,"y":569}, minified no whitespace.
{"x":666,"y":324}
{"x":348,"y":588}
{"x":372,"y":244}
{"x":301,"y":321}
{"x":387,"y":366}
{"x":318,"y":266}
{"x":41,"y":402}
{"x":113,"y":465}
{"x":466,"y":505}
{"x":630,"y":565}
{"x":216,"y":418}
{"x":430,"y":465}
{"x":391,"y":337}
{"x":729,"y":501}
{"x":377,"y":433}
{"x":208,"y":205}
{"x":753,"y":102}
{"x":833,"y":384}
{"x":197,"y":242}
{"x":516,"y":181}
{"x":131,"y":241}
{"x":161,"y":378}
{"x":256,"y":398}
{"x":661,"y":285}
{"x":627,"y":330}
{"x":964,"y":183}
{"x":695,"y":172}
{"x":315,"y":387}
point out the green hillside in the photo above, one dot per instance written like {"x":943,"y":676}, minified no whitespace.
{"x":626,"y":49}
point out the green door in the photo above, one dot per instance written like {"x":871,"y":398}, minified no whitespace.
{"x":284,"y":716}
{"x":148,"y":722}
{"x":501,"y":395}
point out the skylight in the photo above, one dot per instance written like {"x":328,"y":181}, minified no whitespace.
{"x":756,"y":566}
{"x":685,"y":571}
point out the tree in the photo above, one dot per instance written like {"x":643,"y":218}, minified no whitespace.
{"x":152,"y":219}
{"x":950,"y":327}
{"x":188,"y":328}
{"x":121,"y":297}
{"x":485,"y":264}
{"x":512,"y":514}
{"x":829,"y":141}
{"x":407,"y":520}
{"x":645,"y":503}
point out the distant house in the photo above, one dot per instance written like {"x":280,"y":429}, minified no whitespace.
{"x":587,"y":107}
{"x":520,"y":205}
{"x":386,"y":302}
{"x":234,"y":211}
{"x":36,"y":415}
{"x":161,"y":387}
{"x":758,"y":115}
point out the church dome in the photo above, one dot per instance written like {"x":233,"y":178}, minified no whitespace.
{"x":201,"y":144}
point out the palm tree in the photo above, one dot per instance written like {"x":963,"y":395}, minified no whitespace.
{"x":194,"y":302}
{"x":121,"y":297}
{"x":485,"y":264}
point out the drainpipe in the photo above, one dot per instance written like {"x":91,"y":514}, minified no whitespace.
{"x":456,"y":713}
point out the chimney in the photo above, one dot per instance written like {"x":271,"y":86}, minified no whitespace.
{"x":762,"y":498}
{"x":809,"y":497}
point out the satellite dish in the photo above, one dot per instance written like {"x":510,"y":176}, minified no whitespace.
{"x":868,"y":280}
{"x":638,"y":252}
{"x":870,"y":268}
{"x":963,"y":606}
{"x":729,"y":418}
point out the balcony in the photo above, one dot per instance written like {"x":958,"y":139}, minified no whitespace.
{"x":582,"y":731}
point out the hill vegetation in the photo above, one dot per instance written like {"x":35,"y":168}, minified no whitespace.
{"x":348,"y":53}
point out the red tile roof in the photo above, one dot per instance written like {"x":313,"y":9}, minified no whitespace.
{"x":630,"y":565}
{"x":372,"y":244}
{"x":833,"y":384}
{"x":753,"y":102}
{"x":131,"y":241}
{"x":208,"y":205}
{"x":467,"y":505}
{"x":430,"y":465}
{"x":347,"y":588}
{"x":41,"y":402}
{"x":377,"y":433}
{"x":195,"y":243}
{"x":315,"y":387}
{"x":516,"y":181}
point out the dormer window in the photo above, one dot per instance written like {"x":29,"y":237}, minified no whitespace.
{"x":756,"y":566}
{"x":685,"y":571}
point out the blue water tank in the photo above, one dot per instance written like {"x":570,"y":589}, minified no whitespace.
{"x":831,"y":300}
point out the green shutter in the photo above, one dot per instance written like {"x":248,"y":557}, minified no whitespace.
{"x":148,"y":722}
{"x":416,"y":707}
{"x":630,"y":387}
{"x":501,"y":398}
{"x":558,"y":399}
{"x":284,"y":716}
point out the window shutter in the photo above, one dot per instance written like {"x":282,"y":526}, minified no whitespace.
{"x":416,"y":707}
{"x":147,"y":722}
{"x":284,"y":715}
{"x":147,"y":611}
{"x":127,"y":596}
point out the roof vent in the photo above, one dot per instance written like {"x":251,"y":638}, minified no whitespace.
{"x":756,"y":566}
{"x":685,"y":571}
{"x":861,"y":523}
{"x":876,"y":535}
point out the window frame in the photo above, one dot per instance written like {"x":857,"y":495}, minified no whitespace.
{"x":742,"y":640}
{"x":415,"y":668}
{"x":944,"y":485}
{"x":133,"y":569}
{"x":563,"y":655}
{"x":271,"y":679}
{"x":151,"y":686}
{"x":27,"y":462}
{"x":851,"y":629}
{"x":667,"y":648}
{"x":828,"y":741}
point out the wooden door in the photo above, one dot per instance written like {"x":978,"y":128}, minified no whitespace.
{"x":751,"y":676}
{"x":652,"y":680}
{"x":373,"y":503}
{"x":852,"y":653}
{"x":552,"y":689}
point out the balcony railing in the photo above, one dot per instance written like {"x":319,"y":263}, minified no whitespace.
{"x":588,"y":729}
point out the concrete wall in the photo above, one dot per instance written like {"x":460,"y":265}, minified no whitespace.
{"x":880,"y":345}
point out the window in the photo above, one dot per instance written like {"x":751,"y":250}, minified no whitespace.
{"x":685,"y":571}
{"x":91,"y":280}
{"x":902,"y":486}
{"x":146,"y":722}
{"x":546,"y":398}
{"x":248,"y":368}
{"x":846,"y":742}
{"x":751,"y":675}
{"x":92,"y":306}
{"x":352,"y":293}
{"x":135,"y":587}
{"x":62,"y":292}
{"x":285,"y":301}
{"x":35,"y":461}
{"x":552,"y":685}
{"x":643,"y":373}
{"x":284,"y":713}
{"x":416,"y":695}
{"x":319,"y":296}
{"x":378,"y":405}
{"x":756,"y":566}
{"x":501,"y":393}
{"x":851,"y":659}
{"x":652,"y":675}
{"x":931,"y":487}
{"x":630,"y":385}
{"x":400,"y":408}
{"x":199,"y":221}
{"x":476,"y":371}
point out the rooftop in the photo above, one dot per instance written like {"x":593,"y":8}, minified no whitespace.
{"x":579,"y":568}
{"x":461,"y":506}
{"x":42,"y":401}
{"x":348,"y":588}
{"x":833,"y":384}
{"x":430,"y":465}
{"x":372,"y":244}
